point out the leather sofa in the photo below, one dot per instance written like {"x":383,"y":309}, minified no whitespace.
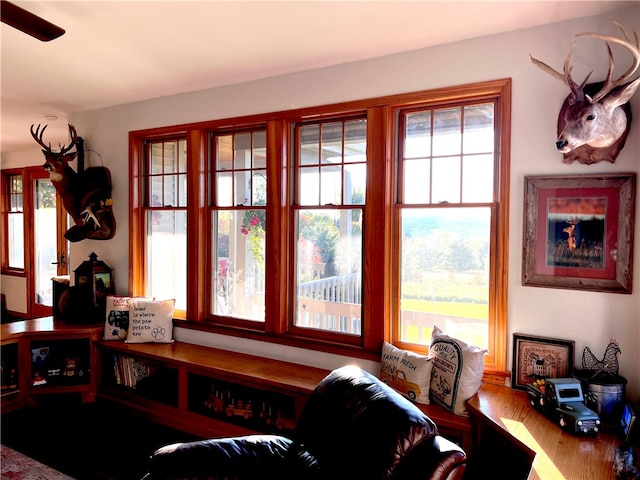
{"x":353,"y":427}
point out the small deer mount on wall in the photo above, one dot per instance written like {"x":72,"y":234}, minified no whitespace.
{"x":86,"y":194}
{"x":595,"y":118}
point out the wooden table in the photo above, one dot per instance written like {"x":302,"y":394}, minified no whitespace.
{"x":503,"y":413}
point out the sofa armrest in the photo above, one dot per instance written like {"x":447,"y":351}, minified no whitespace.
{"x":239,"y":458}
{"x":434,"y":459}
{"x":452,"y":460}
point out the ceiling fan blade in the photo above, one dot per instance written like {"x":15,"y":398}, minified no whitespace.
{"x":28,"y":23}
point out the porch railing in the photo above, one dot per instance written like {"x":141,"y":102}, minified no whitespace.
{"x":333,"y":303}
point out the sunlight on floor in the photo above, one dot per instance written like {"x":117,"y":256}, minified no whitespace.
{"x":542,"y":464}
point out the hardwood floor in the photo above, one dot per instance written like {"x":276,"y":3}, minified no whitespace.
{"x":94,"y":441}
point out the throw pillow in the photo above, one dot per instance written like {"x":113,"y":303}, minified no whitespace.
{"x":407,"y":372}
{"x":150,"y":321}
{"x":116,"y":324}
{"x":457,"y":371}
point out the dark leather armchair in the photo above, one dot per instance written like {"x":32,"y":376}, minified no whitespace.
{"x":354,"y":427}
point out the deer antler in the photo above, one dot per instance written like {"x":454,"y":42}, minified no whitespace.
{"x":74,"y":139}
{"x":37,"y":136}
{"x":577,"y":90}
{"x":633,"y":47}
{"x":565,"y":77}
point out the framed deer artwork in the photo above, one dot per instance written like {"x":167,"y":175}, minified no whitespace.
{"x":578,"y":232}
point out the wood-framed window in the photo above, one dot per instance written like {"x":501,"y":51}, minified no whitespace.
{"x":333,"y":190}
{"x":447,"y":218}
{"x":329,"y":181}
{"x":162,"y":221}
{"x":238,"y":226}
{"x":33,"y":243}
{"x":13,"y":222}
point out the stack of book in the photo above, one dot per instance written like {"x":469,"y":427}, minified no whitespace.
{"x":129,"y":371}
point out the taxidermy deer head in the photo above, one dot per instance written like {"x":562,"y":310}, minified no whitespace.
{"x":86,"y":195}
{"x":595,"y":118}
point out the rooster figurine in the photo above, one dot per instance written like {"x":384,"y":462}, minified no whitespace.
{"x":608,"y":365}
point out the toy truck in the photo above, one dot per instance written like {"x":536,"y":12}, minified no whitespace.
{"x":240,"y":409}
{"x":561,"y":400}
{"x":399,"y":382}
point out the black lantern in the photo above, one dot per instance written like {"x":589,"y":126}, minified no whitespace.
{"x":94,"y":281}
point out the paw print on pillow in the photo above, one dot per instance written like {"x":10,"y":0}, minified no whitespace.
{"x":159,"y":334}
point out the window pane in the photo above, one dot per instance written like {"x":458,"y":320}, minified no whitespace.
{"x":446,"y":180}
{"x":167,"y":256}
{"x":329,"y":270}
{"x":182,"y":190}
{"x":182,"y":156}
{"x":224,"y":189}
{"x":15,"y":193}
{"x":309,"y":151}
{"x":445,"y":274}
{"x":331,"y":185}
{"x":259,"y":187}
{"x":309,"y":186}
{"x":355,"y":183}
{"x":260,"y":150}
{"x":417,"y":141}
{"x":157,"y":156}
{"x":46,"y":247}
{"x":16,"y":240}
{"x":447,"y":132}
{"x":355,"y":141}
{"x":242,"y":187}
{"x":331,"y":142}
{"x":175,"y":189}
{"x":478,"y":129}
{"x":156,"y":192}
{"x":169,"y":161}
{"x":224,"y":152}
{"x":242,"y":150}
{"x":477,"y":179}
{"x":416,"y":181}
{"x":238,"y":273}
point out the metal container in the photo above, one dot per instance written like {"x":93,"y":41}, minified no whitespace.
{"x":605,"y":395}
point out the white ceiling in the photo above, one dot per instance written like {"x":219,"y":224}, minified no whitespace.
{"x":117,"y":52}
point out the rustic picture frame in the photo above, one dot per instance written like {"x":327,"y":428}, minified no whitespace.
{"x":578,"y":232}
{"x":536,"y":357}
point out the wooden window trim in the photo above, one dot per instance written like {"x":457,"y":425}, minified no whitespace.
{"x":378,"y":295}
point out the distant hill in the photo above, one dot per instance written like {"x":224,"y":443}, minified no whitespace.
{"x":418,"y":227}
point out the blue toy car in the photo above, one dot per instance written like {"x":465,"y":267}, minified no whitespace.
{"x":561,"y":400}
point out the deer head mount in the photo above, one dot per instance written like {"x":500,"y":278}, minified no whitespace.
{"x":86,"y":195}
{"x":595,"y":118}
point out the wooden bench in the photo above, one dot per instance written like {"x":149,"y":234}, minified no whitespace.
{"x":294,"y":380}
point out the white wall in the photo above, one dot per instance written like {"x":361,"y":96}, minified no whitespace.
{"x":589,"y":318}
